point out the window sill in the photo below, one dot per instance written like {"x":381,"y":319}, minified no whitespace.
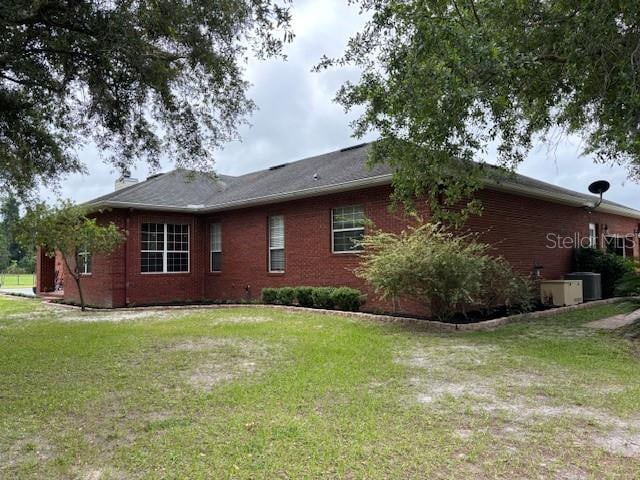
{"x":347,"y":254}
{"x":166,"y":273}
{"x":275,"y":274}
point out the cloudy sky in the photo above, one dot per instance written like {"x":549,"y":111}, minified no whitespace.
{"x":297,"y":117}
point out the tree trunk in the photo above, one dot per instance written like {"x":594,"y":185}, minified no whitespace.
{"x":78,"y":283}
{"x":76,"y":276}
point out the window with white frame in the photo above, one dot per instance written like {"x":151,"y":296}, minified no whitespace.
{"x":347,"y":229}
{"x":593,"y":235}
{"x":216,"y":247}
{"x":165,"y":248}
{"x":276,"y":243}
{"x":84,"y":262}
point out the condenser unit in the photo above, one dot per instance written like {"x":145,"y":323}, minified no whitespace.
{"x":591,"y":284}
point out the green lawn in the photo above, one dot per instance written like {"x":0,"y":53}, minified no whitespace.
{"x":260,"y":393}
{"x":17,"y":281}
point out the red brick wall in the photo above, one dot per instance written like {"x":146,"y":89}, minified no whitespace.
{"x":45,"y":272}
{"x":516,"y":226}
{"x":100,"y":287}
{"x":144,"y":288}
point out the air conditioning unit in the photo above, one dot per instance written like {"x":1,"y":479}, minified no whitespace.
{"x":591,"y":284}
{"x":561,"y":292}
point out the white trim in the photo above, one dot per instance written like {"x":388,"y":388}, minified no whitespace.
{"x":333,"y":248}
{"x":165,"y":250}
{"x":86,"y":271}
{"x":593,"y":239}
{"x":276,"y":248}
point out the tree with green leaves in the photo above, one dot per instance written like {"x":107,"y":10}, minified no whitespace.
{"x":444,"y":79}
{"x":69,"y":230}
{"x":5,"y":257}
{"x":9,"y":218}
{"x":140,"y":79}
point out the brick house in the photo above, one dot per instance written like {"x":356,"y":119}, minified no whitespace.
{"x":191,"y":238}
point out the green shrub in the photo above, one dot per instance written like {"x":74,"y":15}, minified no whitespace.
{"x":270,"y":295}
{"x":628,"y":285}
{"x":345,"y":298}
{"x":446,"y":272}
{"x":322,"y":297}
{"x":611,"y":267}
{"x":304,"y":295}
{"x":286,"y":295}
{"x":501,"y":286}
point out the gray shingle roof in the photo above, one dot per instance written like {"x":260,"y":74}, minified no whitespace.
{"x":340,"y":170}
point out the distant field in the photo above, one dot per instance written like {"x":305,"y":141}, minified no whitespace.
{"x":18,"y":281}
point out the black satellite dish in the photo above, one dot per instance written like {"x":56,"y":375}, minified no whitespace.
{"x":598,"y":188}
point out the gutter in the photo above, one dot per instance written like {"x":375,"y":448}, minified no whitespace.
{"x":574,"y":200}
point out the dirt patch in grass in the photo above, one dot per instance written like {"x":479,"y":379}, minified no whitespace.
{"x":619,"y":441}
{"x":114,"y":316}
{"x":444,"y":372}
{"x":73,"y":315}
{"x":105,"y":473}
{"x":210,"y":374}
{"x":89,"y":316}
{"x":241,"y":319}
{"x":202,"y":344}
{"x":571,"y":473}
{"x":26,"y":450}
{"x":223,"y":359}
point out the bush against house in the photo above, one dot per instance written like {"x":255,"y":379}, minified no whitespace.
{"x":447,"y":273}
{"x":339,"y":298}
{"x":611,"y":267}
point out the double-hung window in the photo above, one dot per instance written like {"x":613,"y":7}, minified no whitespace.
{"x":165,"y":248}
{"x":276,"y":243}
{"x":347,"y":229}
{"x":216,"y":247}
{"x":84,"y":262}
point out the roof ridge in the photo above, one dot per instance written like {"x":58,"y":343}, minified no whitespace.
{"x":340,"y":150}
